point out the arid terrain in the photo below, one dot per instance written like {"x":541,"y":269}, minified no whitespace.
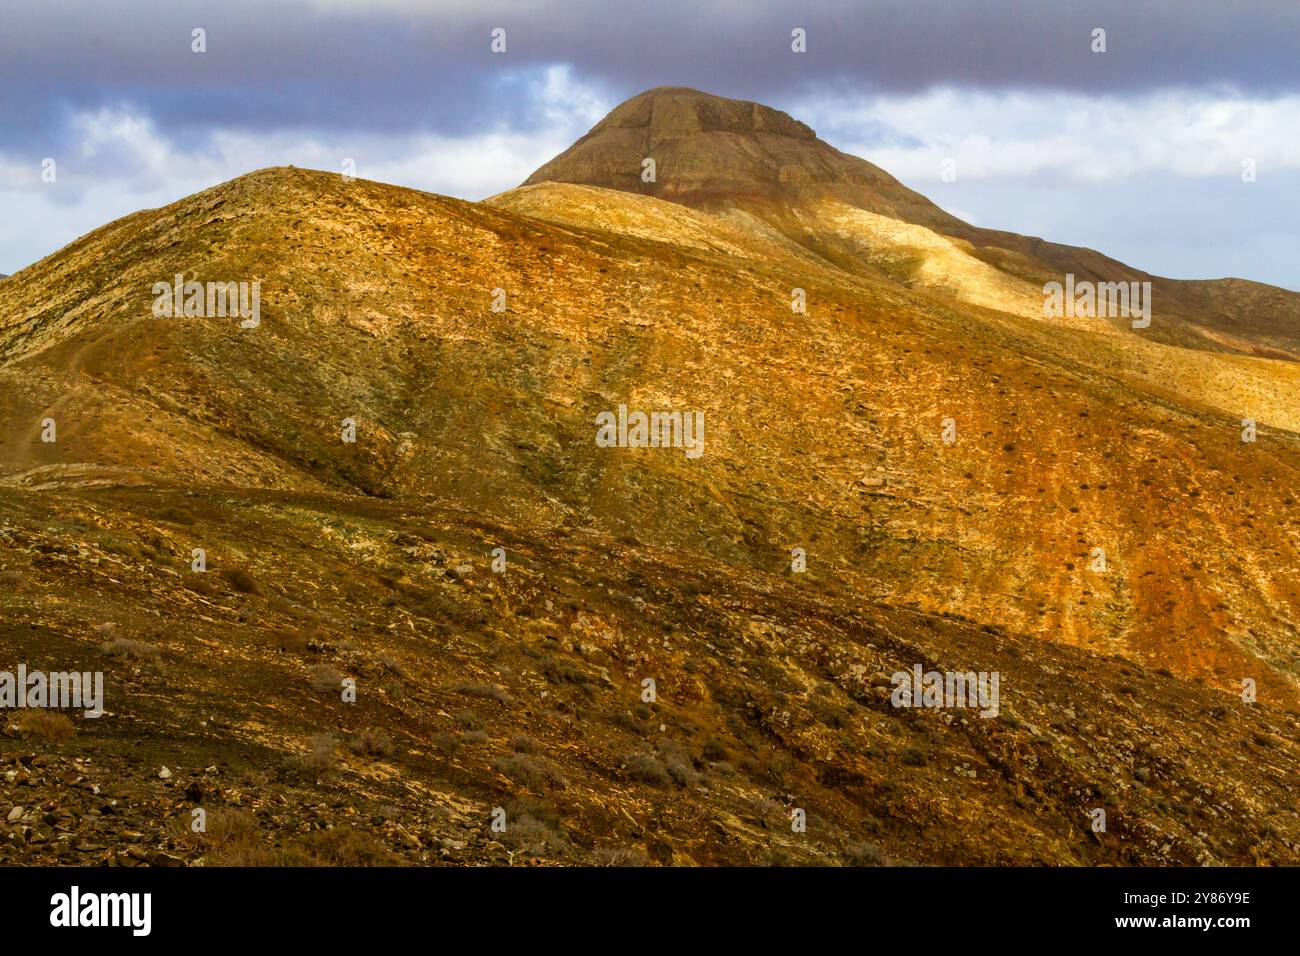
{"x":523,"y":689}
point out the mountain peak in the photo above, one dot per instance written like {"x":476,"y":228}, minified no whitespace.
{"x":704,"y":147}
{"x":713,"y":152}
{"x":667,"y":112}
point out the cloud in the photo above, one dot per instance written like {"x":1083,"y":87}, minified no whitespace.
{"x":1154,"y":180}
{"x":397,"y":65}
{"x":1066,"y":137}
{"x":116,"y":161}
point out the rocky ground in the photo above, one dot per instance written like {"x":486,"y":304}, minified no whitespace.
{"x":523,"y":691}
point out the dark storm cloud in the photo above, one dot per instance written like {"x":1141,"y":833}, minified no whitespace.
{"x":282,"y":66}
{"x":426,"y":66}
{"x":909,"y":45}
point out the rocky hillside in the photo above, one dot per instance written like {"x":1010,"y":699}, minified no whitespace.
{"x":1095,"y":531}
{"x":524,"y":691}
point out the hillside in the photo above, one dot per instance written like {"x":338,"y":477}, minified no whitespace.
{"x":476,"y":429}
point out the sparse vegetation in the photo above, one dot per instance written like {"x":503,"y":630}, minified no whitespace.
{"x":372,"y":743}
{"x":46,"y":726}
{"x":130,"y":649}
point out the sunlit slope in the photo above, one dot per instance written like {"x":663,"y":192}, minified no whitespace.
{"x":741,"y":159}
{"x":608,"y":210}
{"x":823,"y":430}
{"x":1091,"y":428}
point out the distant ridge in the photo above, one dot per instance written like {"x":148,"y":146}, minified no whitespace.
{"x":744,"y":160}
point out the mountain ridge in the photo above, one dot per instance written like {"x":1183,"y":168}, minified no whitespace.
{"x":501,"y":586}
{"x":709,"y":158}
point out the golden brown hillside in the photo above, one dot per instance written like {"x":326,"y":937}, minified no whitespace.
{"x":477,"y":429}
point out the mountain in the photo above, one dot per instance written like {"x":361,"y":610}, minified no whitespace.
{"x":476,"y":430}
{"x":743,"y":160}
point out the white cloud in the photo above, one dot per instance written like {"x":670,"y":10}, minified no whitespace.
{"x":567,"y":102}
{"x":1068,"y":136}
{"x":122,"y":163}
{"x":122,"y":138}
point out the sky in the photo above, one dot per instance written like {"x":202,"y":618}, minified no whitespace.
{"x":1137,"y":151}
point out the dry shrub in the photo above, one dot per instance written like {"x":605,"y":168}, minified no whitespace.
{"x":130,"y":649}
{"x":677,"y":761}
{"x":533,"y":835}
{"x":291,"y":642}
{"x":234,"y":838}
{"x":372,"y":743}
{"x":177,"y":516}
{"x":325,"y":678}
{"x":524,"y":744}
{"x":200,"y":583}
{"x":240,"y":580}
{"x":866,"y":854}
{"x":47,"y":726}
{"x":345,"y":846}
{"x":319,"y":758}
{"x":468,"y":720}
{"x":619,"y":856}
{"x":231,"y":838}
{"x":647,"y":769}
{"x":536,"y":775}
{"x":484,"y":692}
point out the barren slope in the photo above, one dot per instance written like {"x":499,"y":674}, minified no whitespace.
{"x":523,"y":691}
{"x":475,"y":430}
{"x":823,"y":430}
